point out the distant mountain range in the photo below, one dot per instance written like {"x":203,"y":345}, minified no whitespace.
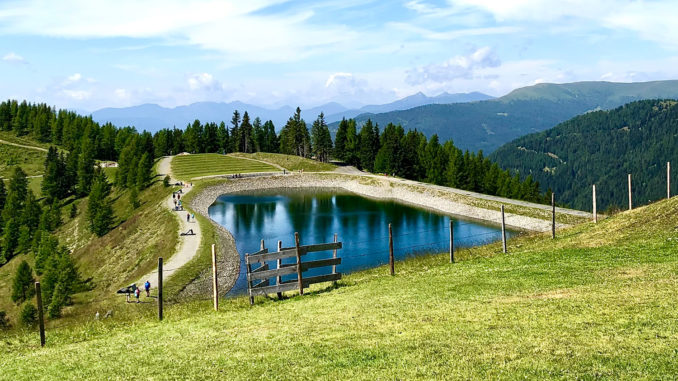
{"x":152,"y":117}
{"x":486,"y":125}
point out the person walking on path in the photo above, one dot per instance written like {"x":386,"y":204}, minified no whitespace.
{"x":193,"y":216}
{"x":188,"y":217}
{"x":136,"y":294}
{"x":147,"y":286}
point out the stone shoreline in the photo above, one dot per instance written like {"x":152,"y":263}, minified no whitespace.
{"x":377,"y":188}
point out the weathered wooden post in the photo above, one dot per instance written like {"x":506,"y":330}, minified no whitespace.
{"x":249,"y":279}
{"x":278,"y":279}
{"x":503,"y":230}
{"x":390,"y":250}
{"x":215,"y":281}
{"x":595,"y":212}
{"x":299,"y":278}
{"x":451,"y":241}
{"x":668,"y":179}
{"x":41,"y":317}
{"x":630,"y":202}
{"x":160,"y":288}
{"x":334,"y":256}
{"x":553,"y":216}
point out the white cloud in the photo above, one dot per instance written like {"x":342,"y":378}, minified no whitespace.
{"x":203,"y":81}
{"x":77,"y":95}
{"x":652,"y":20}
{"x":14,"y":58}
{"x":234,"y":28}
{"x":76,"y":77}
{"x":459,"y":67}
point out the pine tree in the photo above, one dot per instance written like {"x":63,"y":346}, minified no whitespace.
{"x":367,"y":152}
{"x":30,"y":216}
{"x":22,"y":286}
{"x":73,"y":211}
{"x":99,"y":209}
{"x":16,"y":194}
{"x":24,"y":240}
{"x":10,"y":239}
{"x":246,"y":144}
{"x":235,"y":132}
{"x":144,"y":171}
{"x":85,"y":171}
{"x":134,"y":198}
{"x":321,"y":141}
{"x":340,"y":140}
{"x":58,"y":301}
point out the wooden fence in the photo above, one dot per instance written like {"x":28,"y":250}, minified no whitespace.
{"x":259,"y":278}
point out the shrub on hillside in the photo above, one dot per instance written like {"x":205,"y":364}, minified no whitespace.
{"x":29,"y":315}
{"x":166,"y":181}
{"x":4,"y":321}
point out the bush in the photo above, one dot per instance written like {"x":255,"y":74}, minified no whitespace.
{"x":4,"y":321}
{"x":58,"y":301}
{"x":166,"y":181}
{"x":29,"y":315}
{"x":134,"y":198}
{"x":74,"y":211}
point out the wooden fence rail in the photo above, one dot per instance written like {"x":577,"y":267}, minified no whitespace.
{"x":265,"y":274}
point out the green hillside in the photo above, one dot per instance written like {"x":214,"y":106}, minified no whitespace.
{"x":598,"y":302}
{"x":487,"y":125}
{"x":601,"y":148}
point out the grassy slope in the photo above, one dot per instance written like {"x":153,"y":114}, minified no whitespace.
{"x":114,"y":260}
{"x":597,"y":302}
{"x":208,"y":164}
{"x":289,"y":162}
{"x":31,"y":161}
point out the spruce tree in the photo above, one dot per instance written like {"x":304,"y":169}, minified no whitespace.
{"x":73,"y":211}
{"x":10,"y":239}
{"x":16,"y":195}
{"x":340,"y":140}
{"x":144,"y":171}
{"x":99,"y":209}
{"x":246,"y":132}
{"x":134,"y":198}
{"x":85,"y":171}
{"x":235,"y":132}
{"x":24,"y":240}
{"x":23,"y":284}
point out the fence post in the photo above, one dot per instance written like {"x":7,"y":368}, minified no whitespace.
{"x":595,"y":212}
{"x":249,"y":279}
{"x":451,"y":241}
{"x":41,"y":317}
{"x":334,"y":256}
{"x":668,"y":179}
{"x":215,"y":281}
{"x":553,"y":216}
{"x":160,"y":288}
{"x":630,"y":203}
{"x":503,"y":230}
{"x":299,"y":278}
{"x":278,"y":279}
{"x":390,"y":250}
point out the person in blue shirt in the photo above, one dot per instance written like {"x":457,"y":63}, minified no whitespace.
{"x":147,"y":287}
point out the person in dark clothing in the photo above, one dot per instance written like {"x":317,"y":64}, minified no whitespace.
{"x":188,"y":217}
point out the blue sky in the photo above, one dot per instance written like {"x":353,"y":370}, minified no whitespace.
{"x":87,"y":55}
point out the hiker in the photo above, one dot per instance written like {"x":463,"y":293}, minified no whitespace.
{"x":178,"y":197}
{"x":188,"y":217}
{"x":193,"y":216}
{"x":147,"y":286}
{"x":136,"y":294}
{"x":174,"y":196}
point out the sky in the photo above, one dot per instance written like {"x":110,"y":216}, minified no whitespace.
{"x":86,"y":55}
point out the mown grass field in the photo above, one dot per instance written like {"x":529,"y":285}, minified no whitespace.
{"x":599,"y":302}
{"x":290,"y":162}
{"x":188,"y":167}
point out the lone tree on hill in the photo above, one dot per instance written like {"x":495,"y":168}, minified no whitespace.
{"x":22,"y":287}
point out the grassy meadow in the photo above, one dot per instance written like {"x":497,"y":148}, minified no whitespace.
{"x":598,"y":302}
{"x":290,"y":162}
{"x":188,"y":167}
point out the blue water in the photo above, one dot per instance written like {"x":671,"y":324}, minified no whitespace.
{"x":360,"y":223}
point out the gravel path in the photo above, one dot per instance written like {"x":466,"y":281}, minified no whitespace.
{"x":188,"y":244}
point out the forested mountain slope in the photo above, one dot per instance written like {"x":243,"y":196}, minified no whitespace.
{"x":487,"y":125}
{"x":601,"y":148}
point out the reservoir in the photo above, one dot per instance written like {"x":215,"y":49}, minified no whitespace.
{"x":360,"y":223}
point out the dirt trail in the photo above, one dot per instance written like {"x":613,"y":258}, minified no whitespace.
{"x":22,"y":146}
{"x":188,"y":244}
